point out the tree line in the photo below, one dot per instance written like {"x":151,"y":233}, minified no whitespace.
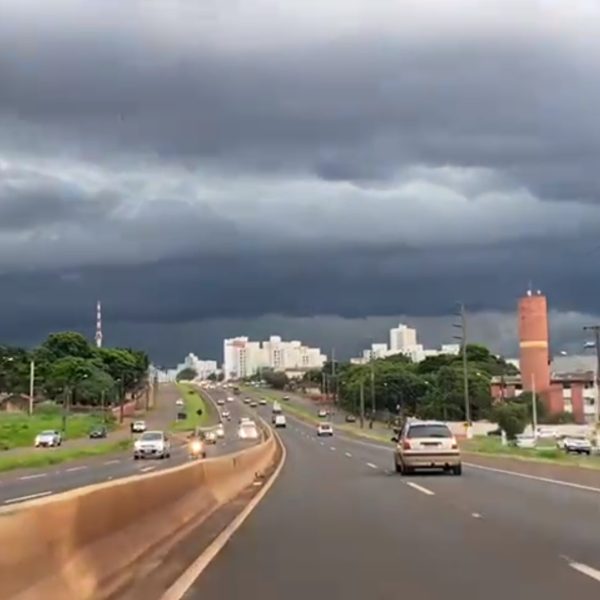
{"x":66,"y":364}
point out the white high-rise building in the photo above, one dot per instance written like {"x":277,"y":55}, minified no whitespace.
{"x":243,"y":358}
{"x":403,"y":338}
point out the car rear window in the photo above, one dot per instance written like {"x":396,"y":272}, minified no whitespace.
{"x":151,"y":436}
{"x":428,"y":431}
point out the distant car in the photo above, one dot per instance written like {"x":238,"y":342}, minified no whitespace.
{"x":577,"y":445}
{"x":322,"y":413}
{"x":220,"y":401}
{"x":98,"y":432}
{"x":153,"y":444}
{"x":525,"y":441}
{"x":138,"y":426}
{"x":286,"y":398}
{"x":262,"y":402}
{"x":280,"y":421}
{"x":245,"y":420}
{"x":220,"y":431}
{"x":350,"y":419}
{"x":253,"y":404}
{"x":324,"y":429}
{"x":230,"y":398}
{"x":426,"y":445}
{"x":247,"y":400}
{"x":226,"y":415}
{"x":210,"y":437}
{"x":248,"y":431}
{"x":48,"y":439}
{"x":546,"y":433}
{"x":179,"y":402}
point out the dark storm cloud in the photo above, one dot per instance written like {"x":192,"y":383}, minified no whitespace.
{"x":218,"y":160}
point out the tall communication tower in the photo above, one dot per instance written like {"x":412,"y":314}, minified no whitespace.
{"x":98,"y":324}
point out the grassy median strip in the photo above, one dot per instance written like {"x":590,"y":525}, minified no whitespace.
{"x":491,"y":446}
{"x":194,"y":402}
{"x":19,"y":430}
{"x":45,"y":457}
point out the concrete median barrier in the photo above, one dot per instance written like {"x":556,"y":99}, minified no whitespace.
{"x":70,"y":546}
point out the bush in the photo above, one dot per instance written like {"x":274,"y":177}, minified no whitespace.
{"x":512,"y":417}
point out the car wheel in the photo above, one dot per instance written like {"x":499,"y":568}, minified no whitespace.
{"x":135,"y":457}
{"x":457,"y":470}
{"x":398,"y":467}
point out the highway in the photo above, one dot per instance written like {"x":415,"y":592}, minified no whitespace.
{"x":38,"y":483}
{"x":339,"y":523}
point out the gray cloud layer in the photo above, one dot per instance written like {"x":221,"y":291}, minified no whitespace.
{"x":188,"y":161}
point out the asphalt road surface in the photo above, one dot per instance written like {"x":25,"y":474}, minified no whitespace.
{"x":32,"y":483}
{"x":339,"y":523}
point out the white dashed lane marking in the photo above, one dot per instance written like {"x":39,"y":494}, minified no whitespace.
{"x":371,"y":465}
{"x":420,"y":488}
{"x":36,"y":476}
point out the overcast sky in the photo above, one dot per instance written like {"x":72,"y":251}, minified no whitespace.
{"x":319,"y":169}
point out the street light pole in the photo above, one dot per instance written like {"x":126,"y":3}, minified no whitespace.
{"x":362,"y":403}
{"x":31,"y":385}
{"x":462,"y":325}
{"x":373,"y":401}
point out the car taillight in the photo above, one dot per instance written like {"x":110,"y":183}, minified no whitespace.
{"x":405,"y":445}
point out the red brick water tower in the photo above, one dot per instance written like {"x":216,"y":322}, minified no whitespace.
{"x":533,"y":342}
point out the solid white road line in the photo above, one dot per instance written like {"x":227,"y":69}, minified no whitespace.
{"x":30,"y":497}
{"x":371,"y":465}
{"x":180,"y":587}
{"x":420,"y":488}
{"x":585,"y":569}
{"x":577,"y":486}
{"x":75,"y":469}
{"x":37,"y":476}
{"x":146,"y":469}
{"x":348,"y":454}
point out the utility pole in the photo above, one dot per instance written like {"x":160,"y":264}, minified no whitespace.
{"x":373,"y":401}
{"x":103,"y":404}
{"x":462,"y":325}
{"x":31,"y":385}
{"x":596,"y":330}
{"x":333,"y":376}
{"x":362,"y":403}
{"x":533,"y":405}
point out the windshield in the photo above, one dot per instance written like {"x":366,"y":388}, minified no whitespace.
{"x":48,"y":432}
{"x":429,"y":431}
{"x":151,"y":436}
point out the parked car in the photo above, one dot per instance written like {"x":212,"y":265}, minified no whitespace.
{"x":48,"y":439}
{"x":350,"y":419}
{"x":426,"y":445}
{"x":577,"y":445}
{"x":525,"y":441}
{"x":153,"y":444}
{"x":99,"y":431}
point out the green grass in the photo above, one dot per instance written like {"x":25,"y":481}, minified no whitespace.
{"x":54,"y":456}
{"x":19,"y":430}
{"x":194,"y":401}
{"x":492,"y":446}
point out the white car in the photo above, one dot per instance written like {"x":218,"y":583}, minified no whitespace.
{"x":322,"y":413}
{"x":525,"y":441}
{"x":220,"y":401}
{"x":220,"y":431}
{"x":262,"y":402}
{"x":138,"y":426}
{"x":247,"y":400}
{"x":248,"y":431}
{"x":154,"y":444}
{"x":179,"y":402}
{"x":546,"y":433}
{"x":48,"y":438}
{"x":324,"y":429}
{"x":226,"y":415}
{"x":280,"y":421}
{"x":210,"y":437}
{"x":577,"y":444}
{"x":230,"y":398}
